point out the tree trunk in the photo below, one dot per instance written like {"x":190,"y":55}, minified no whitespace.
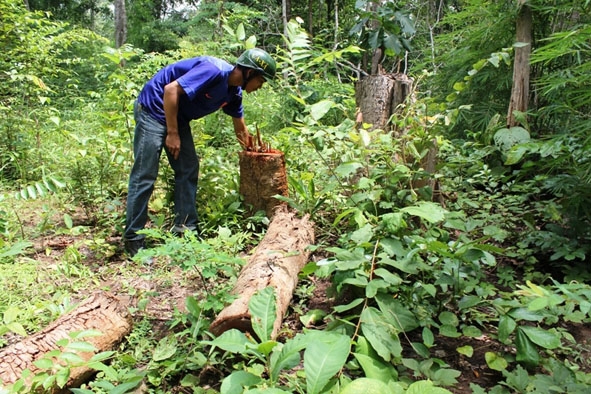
{"x":102,"y":312}
{"x":277,"y":261}
{"x":262,"y":176}
{"x":310,"y":18}
{"x":285,"y":14}
{"x":521,"y":69}
{"x":120,"y":23}
{"x":378,"y":97}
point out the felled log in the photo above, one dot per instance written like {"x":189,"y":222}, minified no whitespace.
{"x":262,"y":176}
{"x":102,"y":312}
{"x":277,"y":261}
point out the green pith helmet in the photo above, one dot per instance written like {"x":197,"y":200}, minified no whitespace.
{"x":259,"y":60}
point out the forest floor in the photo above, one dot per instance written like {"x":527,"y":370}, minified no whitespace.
{"x":166,"y":288}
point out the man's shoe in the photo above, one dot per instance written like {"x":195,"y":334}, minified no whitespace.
{"x":134,"y":246}
{"x":180,"y":231}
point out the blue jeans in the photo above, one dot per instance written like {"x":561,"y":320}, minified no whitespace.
{"x":148,"y":142}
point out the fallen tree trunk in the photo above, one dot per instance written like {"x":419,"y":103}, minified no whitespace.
{"x":102,"y":312}
{"x":277,"y":261}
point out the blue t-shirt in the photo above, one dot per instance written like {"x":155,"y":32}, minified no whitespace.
{"x":205,"y":82}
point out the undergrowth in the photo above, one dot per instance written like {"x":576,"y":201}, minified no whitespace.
{"x":478,"y":254}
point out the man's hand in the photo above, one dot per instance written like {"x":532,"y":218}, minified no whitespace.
{"x":242,"y":134}
{"x":173,"y":144}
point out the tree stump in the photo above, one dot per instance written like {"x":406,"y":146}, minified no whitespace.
{"x":102,"y":312}
{"x":378,"y":96}
{"x":277,"y":261}
{"x":262,"y":175}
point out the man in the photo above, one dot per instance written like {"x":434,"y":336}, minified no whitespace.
{"x":177,"y":94}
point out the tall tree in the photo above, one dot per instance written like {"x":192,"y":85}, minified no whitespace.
{"x":521,"y":67}
{"x":120,"y":23}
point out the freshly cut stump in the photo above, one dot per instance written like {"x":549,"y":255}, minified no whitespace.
{"x":262,"y":175}
{"x":277,"y":261}
{"x":102,"y":312}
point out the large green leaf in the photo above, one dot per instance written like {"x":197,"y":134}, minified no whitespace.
{"x":396,"y":313}
{"x":324,"y":356}
{"x":231,"y":341}
{"x":127,"y":386}
{"x":495,"y":361}
{"x":527,"y":353}
{"x":381,"y":333}
{"x":349,"y":260}
{"x":539,"y":336}
{"x":370,"y":386}
{"x":288,"y":356}
{"x":263,"y":313}
{"x":347,"y":168}
{"x":237,"y":381}
{"x":505,"y":138}
{"x":321,"y":108}
{"x":429,"y":211}
{"x":166,"y":348}
{"x":425,"y":387}
{"x":376,"y":369}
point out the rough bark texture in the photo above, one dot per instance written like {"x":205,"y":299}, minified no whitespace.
{"x":277,"y":261}
{"x":262,"y":175}
{"x":429,"y":164}
{"x":120,"y":23}
{"x":378,"y":97}
{"x":102,"y":312}
{"x":521,"y":68}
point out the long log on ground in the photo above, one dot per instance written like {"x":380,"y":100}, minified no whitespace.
{"x":277,"y":261}
{"x":101,"y":312}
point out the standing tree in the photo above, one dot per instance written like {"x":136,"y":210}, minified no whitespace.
{"x":120,"y":23}
{"x":521,"y":68}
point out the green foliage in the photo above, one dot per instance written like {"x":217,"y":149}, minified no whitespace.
{"x":466,"y":47}
{"x":389,"y":26}
{"x":491,"y":245}
{"x":325,"y":353}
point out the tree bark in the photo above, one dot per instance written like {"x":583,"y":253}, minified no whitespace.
{"x":277,"y":261}
{"x":310,"y":18}
{"x":262,"y":176}
{"x":120,"y":23}
{"x":285,"y":14}
{"x":378,"y":97}
{"x":102,"y":312}
{"x":521,"y":68}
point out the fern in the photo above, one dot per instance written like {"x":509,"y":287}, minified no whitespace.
{"x":47,"y":185}
{"x":294,"y":58}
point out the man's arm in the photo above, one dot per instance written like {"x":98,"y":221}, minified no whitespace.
{"x":172,"y":92}
{"x":242,"y":132}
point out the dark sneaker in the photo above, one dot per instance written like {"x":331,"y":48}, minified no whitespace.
{"x":180,"y":231}
{"x":134,"y":246}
